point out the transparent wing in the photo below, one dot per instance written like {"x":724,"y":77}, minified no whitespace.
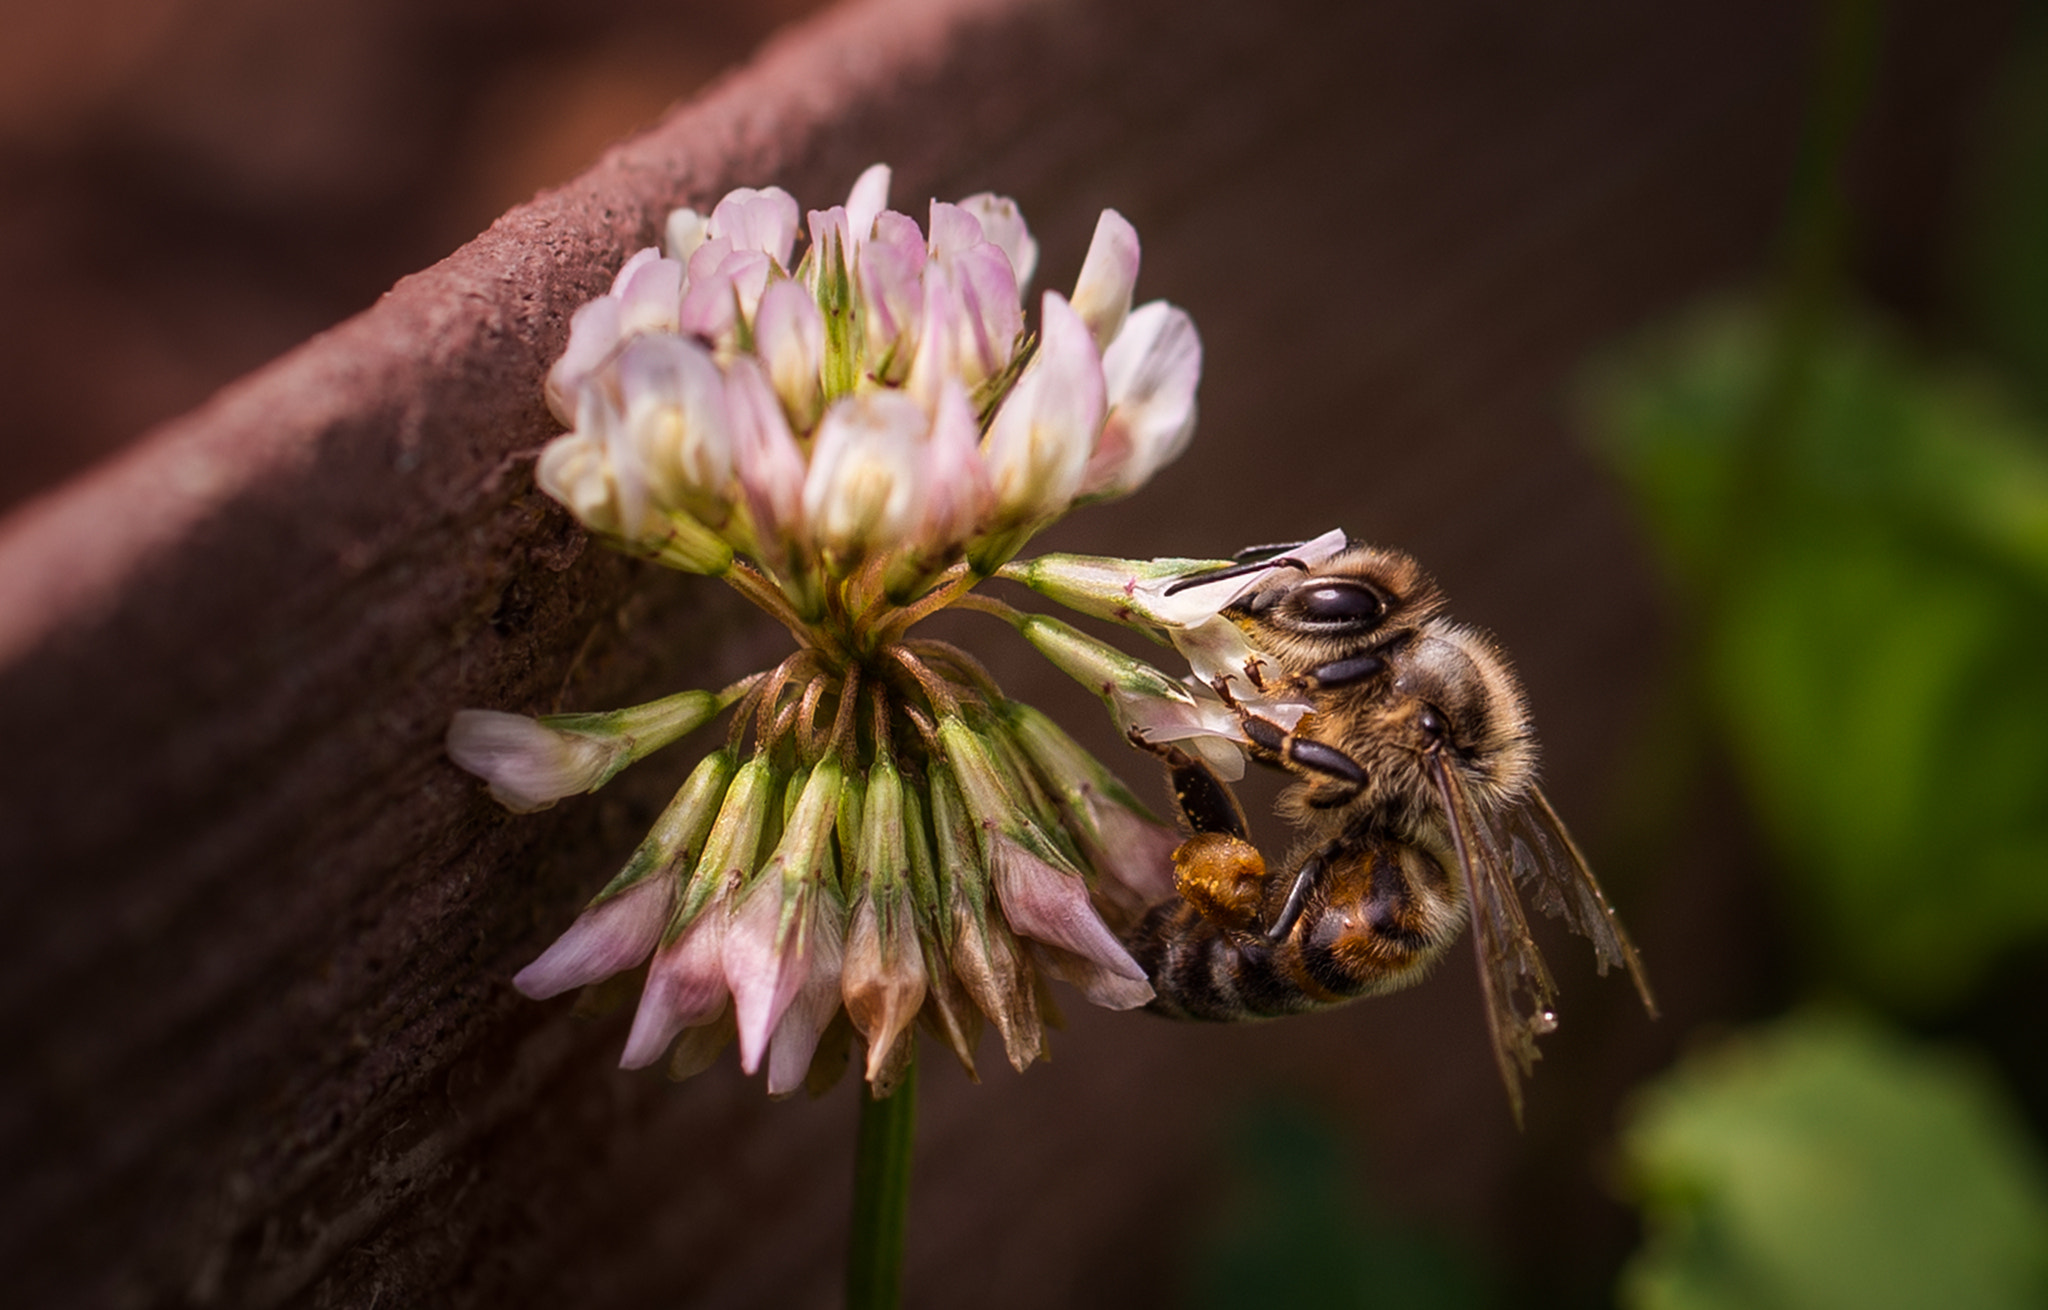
{"x":1545,"y":860}
{"x":1513,"y":980}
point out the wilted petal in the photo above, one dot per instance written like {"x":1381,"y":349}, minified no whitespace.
{"x":529,"y":765}
{"x":816,"y":1001}
{"x":763,"y":977}
{"x":1038,"y":445}
{"x":763,"y":220}
{"x":1149,"y":373}
{"x":884,"y":978}
{"x":779,"y":925}
{"x":611,"y":936}
{"x":1111,"y":991}
{"x":789,"y":336}
{"x":685,"y":988}
{"x":1102,"y":294}
{"x":992,"y":969}
{"x":1003,"y":224}
{"x":1051,"y":905}
{"x":862,"y":489}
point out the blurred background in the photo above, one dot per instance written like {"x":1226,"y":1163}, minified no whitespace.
{"x":1726,"y":405}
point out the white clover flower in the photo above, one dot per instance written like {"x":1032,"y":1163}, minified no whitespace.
{"x":851,"y":420}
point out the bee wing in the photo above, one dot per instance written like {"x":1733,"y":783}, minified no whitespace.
{"x":1512,"y":976}
{"x":1546,"y":860}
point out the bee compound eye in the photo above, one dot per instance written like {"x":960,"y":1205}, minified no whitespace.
{"x":1345,"y":603}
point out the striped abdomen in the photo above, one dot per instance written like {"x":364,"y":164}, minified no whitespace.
{"x":1380,"y":912}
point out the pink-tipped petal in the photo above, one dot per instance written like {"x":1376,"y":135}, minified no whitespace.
{"x":1002,"y":223}
{"x":789,"y":336}
{"x":685,"y":988}
{"x":957,"y":491}
{"x":594,"y":332}
{"x":1038,"y":445}
{"x":953,"y":230}
{"x":1102,"y":294}
{"x":763,"y":220}
{"x":605,"y":939}
{"x":649,"y":290}
{"x":869,"y":197}
{"x":891,"y":278}
{"x":770,"y":463}
{"x":1149,"y":373}
{"x":764,"y":979}
{"x":1051,"y":905}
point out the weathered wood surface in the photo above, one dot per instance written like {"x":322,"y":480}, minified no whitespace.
{"x":260,"y":1047}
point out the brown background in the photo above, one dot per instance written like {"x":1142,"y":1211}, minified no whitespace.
{"x":260,"y":1045}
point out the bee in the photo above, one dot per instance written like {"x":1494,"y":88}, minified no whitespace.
{"x":1415,"y":809}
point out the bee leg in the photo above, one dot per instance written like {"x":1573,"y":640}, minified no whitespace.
{"x":1339,"y":776}
{"x":1297,"y":898}
{"x":1216,"y":870}
{"x":1346,"y":672}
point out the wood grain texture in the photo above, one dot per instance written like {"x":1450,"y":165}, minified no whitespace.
{"x":260,"y":1045}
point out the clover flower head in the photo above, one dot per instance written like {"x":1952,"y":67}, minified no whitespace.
{"x":853,"y":421}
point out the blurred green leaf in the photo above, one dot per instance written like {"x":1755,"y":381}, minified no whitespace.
{"x":1822,"y":1163}
{"x":1299,"y":1231}
{"x":1869,"y":611}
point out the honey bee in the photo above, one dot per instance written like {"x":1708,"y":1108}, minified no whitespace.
{"x":1415,"y":808}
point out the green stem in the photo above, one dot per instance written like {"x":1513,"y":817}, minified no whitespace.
{"x":881,"y":1193}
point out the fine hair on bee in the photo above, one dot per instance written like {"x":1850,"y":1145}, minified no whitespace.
{"x":1415,"y":810}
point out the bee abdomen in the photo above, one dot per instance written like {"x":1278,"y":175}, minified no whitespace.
{"x":1200,"y":971}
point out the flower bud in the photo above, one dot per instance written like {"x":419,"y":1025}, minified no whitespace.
{"x":763,"y":220}
{"x":1102,"y":294}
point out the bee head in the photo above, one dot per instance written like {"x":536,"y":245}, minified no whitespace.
{"x":1454,"y":696}
{"x":1355,"y":602}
